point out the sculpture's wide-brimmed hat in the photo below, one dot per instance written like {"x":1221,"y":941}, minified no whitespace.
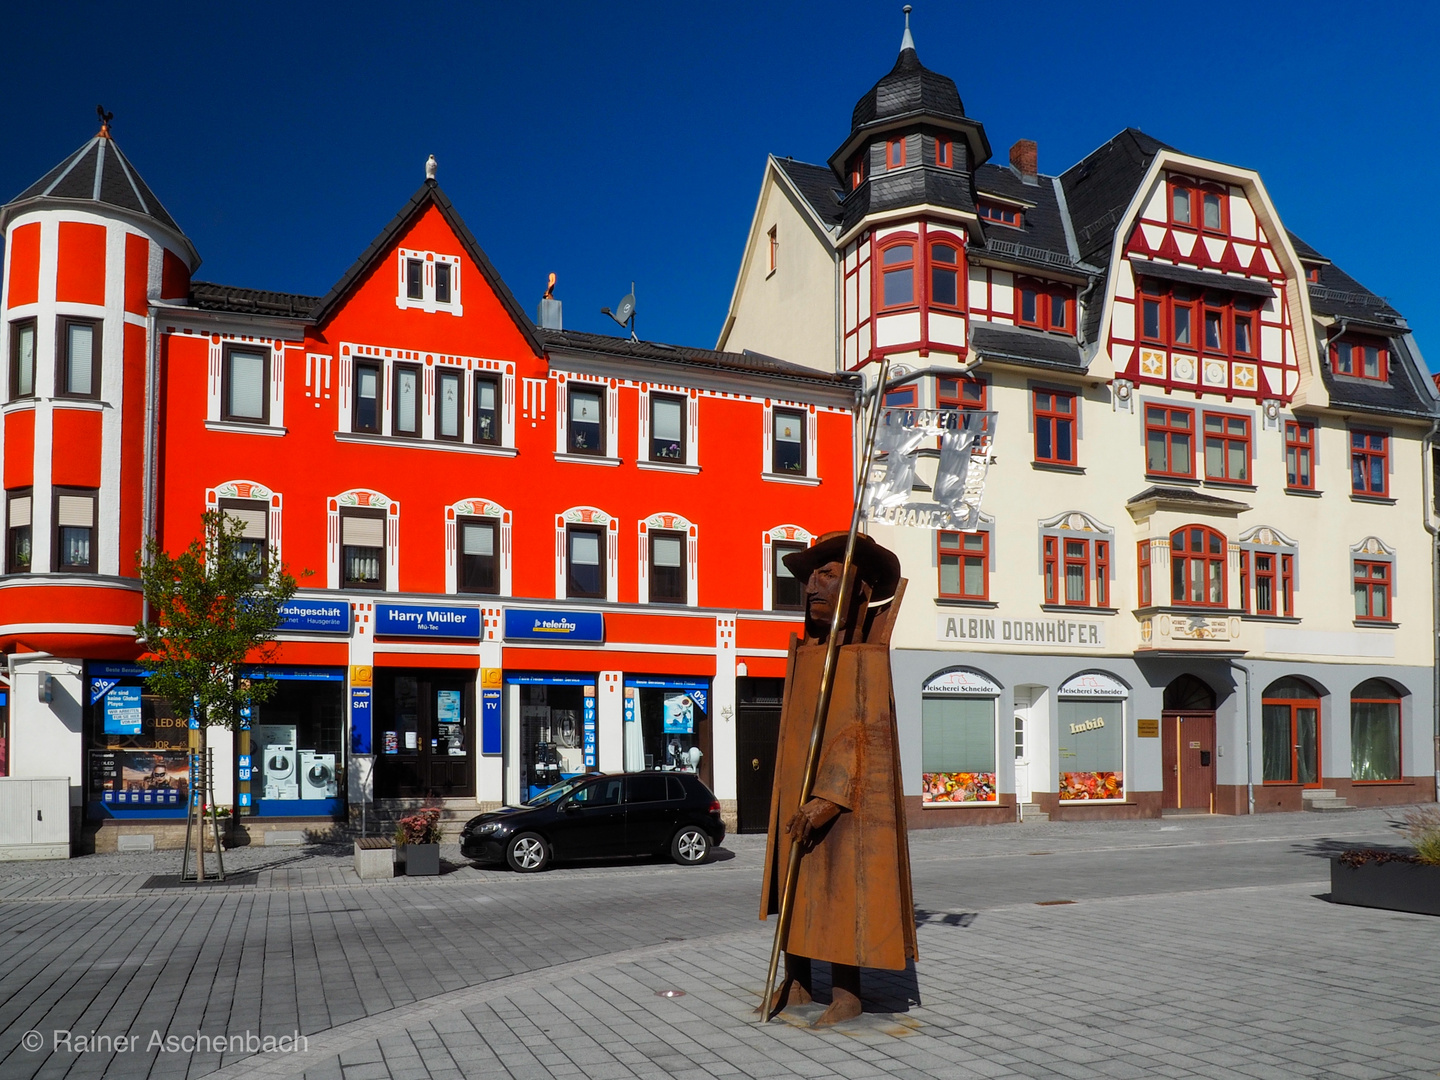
{"x":878,"y":567}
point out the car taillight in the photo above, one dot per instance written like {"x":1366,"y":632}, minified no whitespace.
{"x":714,"y":806}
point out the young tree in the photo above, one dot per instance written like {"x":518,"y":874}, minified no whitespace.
{"x":213,"y":610}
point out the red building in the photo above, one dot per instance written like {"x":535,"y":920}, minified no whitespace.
{"x":530,"y":552}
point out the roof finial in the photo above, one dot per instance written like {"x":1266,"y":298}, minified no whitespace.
{"x":105,"y":118}
{"x":907,"y":42}
{"x":430,"y":165}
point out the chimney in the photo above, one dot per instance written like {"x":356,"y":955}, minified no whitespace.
{"x":1025,"y":159}
{"x":549,"y":315}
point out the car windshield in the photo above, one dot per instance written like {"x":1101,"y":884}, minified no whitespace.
{"x":556,"y":791}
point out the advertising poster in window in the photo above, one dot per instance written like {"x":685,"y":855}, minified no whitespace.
{"x":140,"y":778}
{"x":957,"y":750}
{"x":1092,"y":749}
{"x":679,"y":714}
{"x":122,"y":710}
{"x":451,"y":722}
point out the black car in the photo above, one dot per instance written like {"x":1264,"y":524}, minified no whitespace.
{"x":596,"y":817}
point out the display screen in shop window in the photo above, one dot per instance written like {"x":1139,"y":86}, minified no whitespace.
{"x":1091,"y":740}
{"x":957,"y":749}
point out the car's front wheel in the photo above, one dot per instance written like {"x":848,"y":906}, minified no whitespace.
{"x":527,"y":853}
{"x":690,"y":846}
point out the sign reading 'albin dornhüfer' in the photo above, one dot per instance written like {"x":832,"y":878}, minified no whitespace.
{"x":992,"y":630}
{"x":523,"y":624}
{"x":427,"y":620}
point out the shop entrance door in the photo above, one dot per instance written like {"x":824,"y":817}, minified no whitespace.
{"x":1188,"y":755}
{"x":757,"y":738}
{"x":425,"y":727}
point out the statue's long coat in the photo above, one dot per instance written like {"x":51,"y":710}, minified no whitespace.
{"x":853,"y":902}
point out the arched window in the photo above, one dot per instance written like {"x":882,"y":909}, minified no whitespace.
{"x":1375,"y":731}
{"x":944,"y":274}
{"x":1188,"y":694}
{"x":1290,"y":732}
{"x":1197,"y":567}
{"x":897,"y":274}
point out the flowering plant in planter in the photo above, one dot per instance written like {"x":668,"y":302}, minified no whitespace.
{"x":419,"y":828}
{"x":1422,"y":829}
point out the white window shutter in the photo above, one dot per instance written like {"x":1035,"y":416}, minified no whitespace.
{"x":363,"y":532}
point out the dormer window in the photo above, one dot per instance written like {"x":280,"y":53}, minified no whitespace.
{"x":1312,"y":275}
{"x":944,"y":153}
{"x":1364,"y":359}
{"x":857,"y":170}
{"x":1001,"y":214}
{"x":895,"y":154}
{"x":1198,"y":205}
{"x":1045,"y":306}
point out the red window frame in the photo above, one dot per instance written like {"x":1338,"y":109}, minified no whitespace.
{"x":1054,"y":305}
{"x":1348,"y":356}
{"x":1051,"y":569}
{"x":1052,"y":409}
{"x":857,"y":170}
{"x":1192,"y":548}
{"x":964,"y":548}
{"x":1400,"y":748}
{"x":1299,"y":455}
{"x":1102,"y":573}
{"x":950,"y":268}
{"x":1374,"y":578}
{"x":908,"y":266}
{"x":1075,"y":552}
{"x":1001,"y":214}
{"x":1287,"y":585}
{"x":1369,"y":449}
{"x":1227,"y":436}
{"x":1161,"y":420}
{"x":895,"y":153}
{"x":1196,"y":193}
{"x":944,"y":153}
{"x":961,"y":392}
{"x":1144,"y":592}
{"x":1245,"y":581}
{"x":1267,"y":578}
{"x":902,"y":397}
{"x":1312,"y":274}
{"x":1173,"y":185}
{"x":1174,"y":304}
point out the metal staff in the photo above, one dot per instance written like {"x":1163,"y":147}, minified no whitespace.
{"x":822,"y":706}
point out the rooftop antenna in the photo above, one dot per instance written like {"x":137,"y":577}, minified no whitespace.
{"x":624,"y":312}
{"x":105,"y":118}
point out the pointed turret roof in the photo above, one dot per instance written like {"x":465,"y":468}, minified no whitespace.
{"x":100,"y":174}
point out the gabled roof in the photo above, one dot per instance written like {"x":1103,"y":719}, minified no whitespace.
{"x":817,"y":186}
{"x":428,"y":194}
{"x":1040,"y":241}
{"x":1404,"y":393}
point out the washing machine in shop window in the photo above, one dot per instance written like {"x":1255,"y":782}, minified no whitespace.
{"x":317,"y":775}
{"x":280,"y":779}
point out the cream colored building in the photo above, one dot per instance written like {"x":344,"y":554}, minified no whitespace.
{"x":1204,"y":576}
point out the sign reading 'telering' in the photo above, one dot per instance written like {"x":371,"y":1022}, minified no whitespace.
{"x":530,"y":625}
{"x":428,"y":620}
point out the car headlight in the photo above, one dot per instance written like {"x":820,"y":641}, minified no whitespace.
{"x":487,"y":828}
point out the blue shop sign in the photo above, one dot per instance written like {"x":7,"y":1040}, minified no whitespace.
{"x":432,"y":621}
{"x":315,"y":616}
{"x":523,"y":624}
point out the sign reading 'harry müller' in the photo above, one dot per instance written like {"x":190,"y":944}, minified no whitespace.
{"x":998,"y":630}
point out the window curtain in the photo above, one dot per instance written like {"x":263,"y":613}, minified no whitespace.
{"x":247,"y":385}
{"x":1374,"y":740}
{"x":1275,"y":742}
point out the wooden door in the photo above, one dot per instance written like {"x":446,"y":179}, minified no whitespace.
{"x":1188,"y":760}
{"x":757,"y":737}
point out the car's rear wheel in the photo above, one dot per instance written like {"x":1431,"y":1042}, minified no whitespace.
{"x":690,"y":846}
{"x":527,"y":853}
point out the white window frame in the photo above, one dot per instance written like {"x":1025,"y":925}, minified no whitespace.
{"x":363,"y":498}
{"x":587,"y":515}
{"x":811,"y":476}
{"x":427,"y":301}
{"x":476,"y":508}
{"x":663,"y":522}
{"x":215,"y":420}
{"x":785,"y":534}
{"x":610,"y":387}
{"x":256,"y":492}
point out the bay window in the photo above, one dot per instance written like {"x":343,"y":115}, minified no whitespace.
{"x":1375,"y":732}
{"x":1143,"y":585}
{"x":22,"y":359}
{"x":1197,"y":567}
{"x":362,"y":548}
{"x":895,"y":153}
{"x":479,"y":555}
{"x":74,"y":538}
{"x":246,"y":379}
{"x":897,"y":278}
{"x":944,"y":275}
{"x":964,"y":560}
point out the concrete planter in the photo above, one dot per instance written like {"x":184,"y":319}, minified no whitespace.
{"x":421,"y":860}
{"x":374,"y":859}
{"x":1394,"y":886}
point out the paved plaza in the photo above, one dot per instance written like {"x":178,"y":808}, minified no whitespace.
{"x":1190,"y":946}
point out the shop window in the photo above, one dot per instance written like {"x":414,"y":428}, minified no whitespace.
{"x":944,"y":275}
{"x":138,"y":748}
{"x":1290,"y":733}
{"x":479,"y":555}
{"x":366,"y":409}
{"x":253,"y":545}
{"x":1373,"y":584}
{"x":1370,"y":463}
{"x":415,"y":279}
{"x":1091,"y":744}
{"x":668,"y":580}
{"x":1300,"y":455}
{"x":19,"y":510}
{"x":22,"y":359}
{"x":405,"y":403}
{"x":787,"y":592}
{"x":957,"y":749}
{"x":1054,"y":412}
{"x":788,"y":442}
{"x":362,"y":549}
{"x":1363,"y":359}
{"x":1001,"y":214}
{"x":1375,"y":732}
{"x":897,"y":275}
{"x":1169,"y":440}
{"x":1197,"y":567}
{"x":74,"y":538}
{"x":487,"y":410}
{"x":442,"y":283}
{"x":672,"y":722}
{"x":1227,"y":448}
{"x":667,"y":429}
{"x":585,"y":431}
{"x":964,"y":565}
{"x":78,"y":371}
{"x":585,"y":562}
{"x":1045,"y":306}
{"x":245,"y":381}
{"x":449,"y":404}
{"x":554,"y":721}
{"x":297,"y":746}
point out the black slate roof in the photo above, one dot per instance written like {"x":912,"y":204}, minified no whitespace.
{"x":1405,"y":393}
{"x":907,"y":187}
{"x":1340,"y":295}
{"x":99,"y":172}
{"x":1205,"y":279}
{"x":1100,"y":186}
{"x":1014,"y":344}
{"x":749,"y":363}
{"x":208,"y":296}
{"x":909,"y":88}
{"x":1041,"y":239}
{"x":818,"y":186}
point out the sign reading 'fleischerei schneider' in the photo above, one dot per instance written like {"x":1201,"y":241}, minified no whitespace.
{"x":1035,"y":633}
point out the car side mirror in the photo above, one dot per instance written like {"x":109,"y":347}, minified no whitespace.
{"x":569,"y":806}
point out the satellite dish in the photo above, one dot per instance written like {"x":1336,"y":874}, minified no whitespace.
{"x":624,"y":309}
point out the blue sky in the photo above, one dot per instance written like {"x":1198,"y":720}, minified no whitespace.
{"x":615,"y":142}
